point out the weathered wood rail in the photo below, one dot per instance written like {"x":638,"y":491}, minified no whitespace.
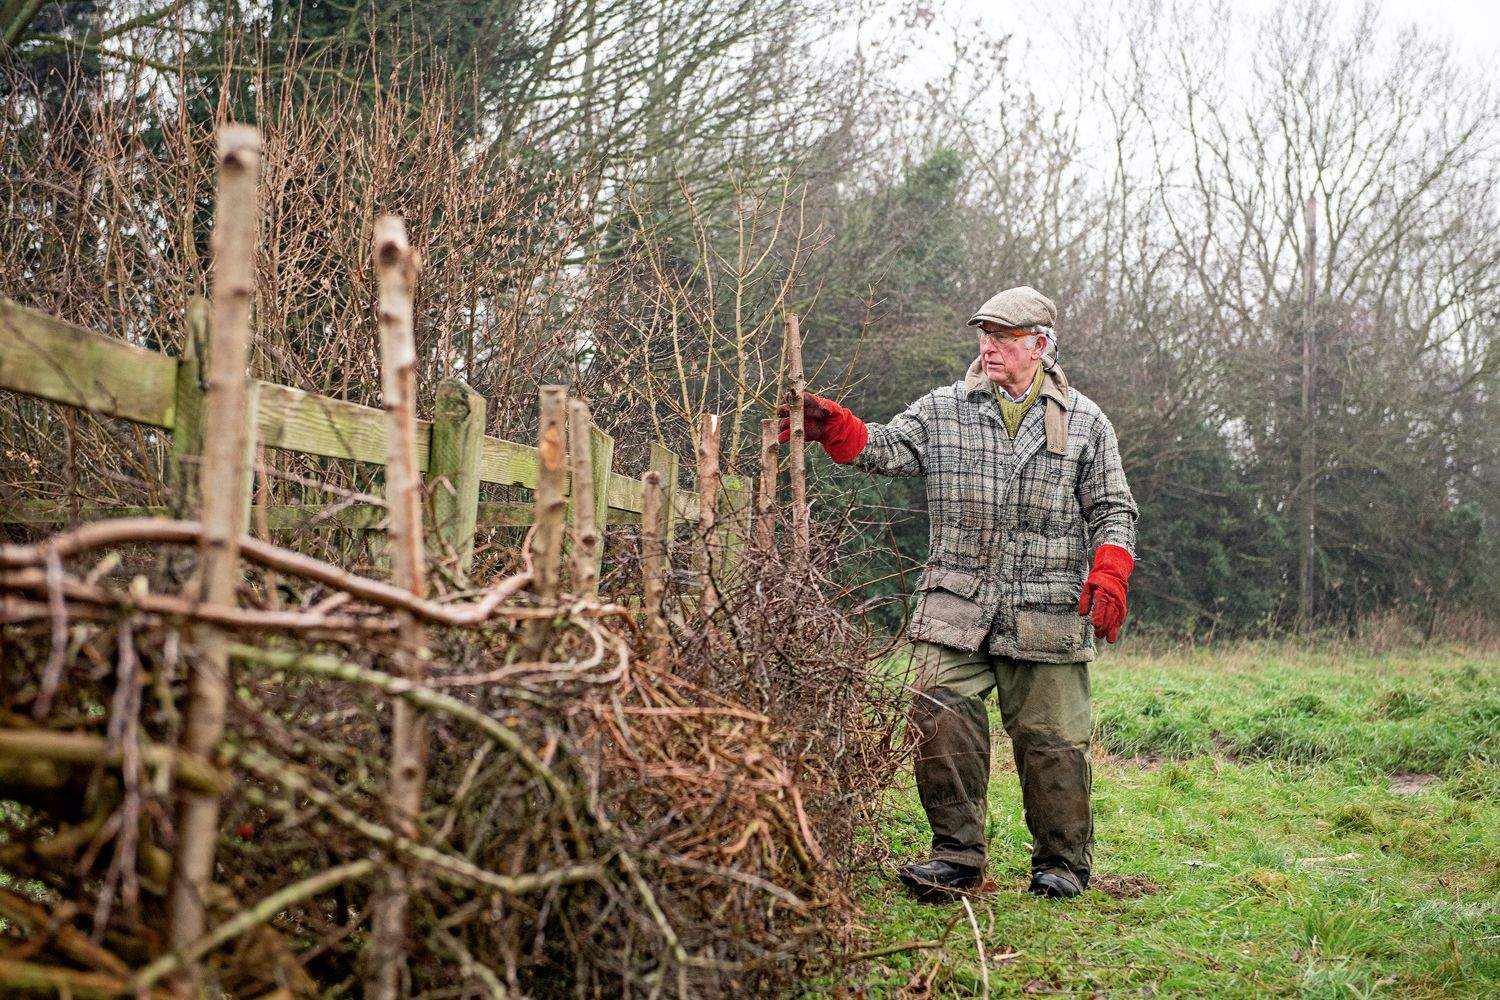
{"x":47,"y":358}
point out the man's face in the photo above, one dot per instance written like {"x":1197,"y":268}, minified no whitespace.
{"x":1006,"y":358}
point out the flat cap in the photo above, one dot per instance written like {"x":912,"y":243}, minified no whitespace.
{"x":1016,"y":307}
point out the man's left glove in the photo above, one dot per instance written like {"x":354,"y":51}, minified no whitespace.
{"x":842,"y":434}
{"x":1104,"y":590}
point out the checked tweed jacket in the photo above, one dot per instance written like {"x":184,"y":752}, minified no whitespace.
{"x":1013,"y":524}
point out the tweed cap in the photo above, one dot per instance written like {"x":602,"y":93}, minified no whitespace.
{"x":1017,"y":307}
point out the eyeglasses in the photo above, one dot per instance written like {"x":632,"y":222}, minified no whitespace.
{"x":1001,"y":336}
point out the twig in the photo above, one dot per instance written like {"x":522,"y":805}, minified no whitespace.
{"x":454,"y":869}
{"x":81,"y":748}
{"x":328,"y":666}
{"x":252,"y":917}
{"x":984,"y":968}
{"x":151,"y":529}
{"x":73,"y":943}
{"x":25,"y":977}
{"x":57,"y":657}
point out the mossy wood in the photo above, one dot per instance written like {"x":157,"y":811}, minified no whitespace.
{"x":453,"y":469}
{"x":190,"y":382}
{"x":50,"y":359}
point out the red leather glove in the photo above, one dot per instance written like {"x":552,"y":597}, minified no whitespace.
{"x":841,"y":433}
{"x":1104,"y":590}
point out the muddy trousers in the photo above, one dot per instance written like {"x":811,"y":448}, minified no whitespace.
{"x":1045,"y":709}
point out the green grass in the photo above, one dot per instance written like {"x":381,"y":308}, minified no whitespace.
{"x":1249,"y":840}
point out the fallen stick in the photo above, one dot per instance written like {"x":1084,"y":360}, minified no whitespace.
{"x":162,"y":530}
{"x":51,"y":980}
{"x":70,"y":941}
{"x":81,"y":748}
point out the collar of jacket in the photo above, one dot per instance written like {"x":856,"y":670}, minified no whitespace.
{"x":1054,"y":390}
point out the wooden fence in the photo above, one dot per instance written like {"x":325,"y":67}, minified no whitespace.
{"x":215,"y":418}
{"x":44,"y":357}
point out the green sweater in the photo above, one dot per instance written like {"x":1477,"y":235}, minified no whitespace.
{"x":1011,"y":412}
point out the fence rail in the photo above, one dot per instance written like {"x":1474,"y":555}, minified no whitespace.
{"x":47,"y":358}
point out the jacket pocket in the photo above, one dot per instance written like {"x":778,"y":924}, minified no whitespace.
{"x":1047,"y":618}
{"x":947,"y":611}
{"x":1050,"y":631}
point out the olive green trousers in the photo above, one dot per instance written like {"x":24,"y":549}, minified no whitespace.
{"x":1045,"y":708}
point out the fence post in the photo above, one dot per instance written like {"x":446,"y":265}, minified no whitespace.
{"x":245,"y":498}
{"x":734,"y":524}
{"x":187,"y":422}
{"x":801,"y":528}
{"x":601,"y":464}
{"x":395,"y":273}
{"x":708,"y":506}
{"x":664,"y":462}
{"x":652,"y":566}
{"x":224,"y":485}
{"x":453,"y":470}
{"x":765,"y":493}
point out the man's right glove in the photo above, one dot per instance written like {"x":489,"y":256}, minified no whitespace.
{"x":841,"y":433}
{"x":1103,"y":597}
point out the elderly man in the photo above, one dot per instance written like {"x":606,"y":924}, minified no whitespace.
{"x":1031,"y":547}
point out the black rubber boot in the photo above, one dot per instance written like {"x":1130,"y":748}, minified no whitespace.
{"x":938,"y":879}
{"x":1054,"y":884}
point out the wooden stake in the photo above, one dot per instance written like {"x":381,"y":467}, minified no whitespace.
{"x":765,"y":493}
{"x":224,"y":485}
{"x":583,"y":507}
{"x":395,"y":273}
{"x":708,"y":501}
{"x":801,"y":528}
{"x":651,"y":557}
{"x":550,"y":510}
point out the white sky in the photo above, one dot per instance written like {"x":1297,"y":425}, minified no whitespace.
{"x":1039,"y":29}
{"x":1473,"y":24}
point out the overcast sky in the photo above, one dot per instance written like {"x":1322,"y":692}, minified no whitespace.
{"x":1474,"y":24}
{"x":1039,"y":49}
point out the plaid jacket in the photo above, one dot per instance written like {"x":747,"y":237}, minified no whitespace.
{"x":1013,"y":524}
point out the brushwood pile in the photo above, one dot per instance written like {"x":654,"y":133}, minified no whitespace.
{"x":612,"y":807}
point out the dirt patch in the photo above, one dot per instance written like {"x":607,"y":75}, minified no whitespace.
{"x":1146,"y":762}
{"x":1124,"y":886}
{"x":1411,"y":784}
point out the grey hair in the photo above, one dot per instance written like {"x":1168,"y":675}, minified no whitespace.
{"x":1041,"y":330}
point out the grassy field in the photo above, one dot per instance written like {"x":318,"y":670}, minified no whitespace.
{"x":1270,"y":822}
